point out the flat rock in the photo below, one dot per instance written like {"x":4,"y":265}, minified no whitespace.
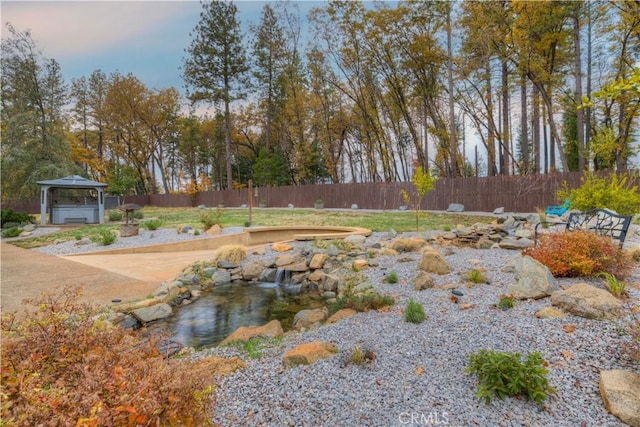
{"x":341,"y":314}
{"x":272,"y":329}
{"x":155,"y":312}
{"x":549,"y":313}
{"x":306,"y":354}
{"x":318,"y":261}
{"x":587,"y":301}
{"x":620,"y":391}
{"x":455,"y":207}
{"x":281,"y":247}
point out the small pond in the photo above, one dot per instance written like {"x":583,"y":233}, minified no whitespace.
{"x":222,"y":310}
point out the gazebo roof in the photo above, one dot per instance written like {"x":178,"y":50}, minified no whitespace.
{"x":72,"y":181}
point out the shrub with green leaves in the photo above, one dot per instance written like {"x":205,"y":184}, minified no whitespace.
{"x":392,"y":277}
{"x":211,"y":217}
{"x":138,"y":214}
{"x":505,"y":303}
{"x":476,"y":276}
{"x":362,"y":302}
{"x":12,"y":232}
{"x":115,"y":216}
{"x":105,"y":237}
{"x":9,"y":216}
{"x":613,"y":285}
{"x":414,"y":312}
{"x":504,"y":374}
{"x":152,"y":224}
{"x":614,"y":192}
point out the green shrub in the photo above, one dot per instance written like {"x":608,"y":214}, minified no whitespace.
{"x":362,"y":302}
{"x":504,"y":374}
{"x":392,"y":277}
{"x":247,"y":224}
{"x":61,"y":366}
{"x":9,"y":216}
{"x":613,"y":192}
{"x":580,"y":253}
{"x":357,"y":356}
{"x":476,"y":276}
{"x":505,"y":303}
{"x":152,"y":224}
{"x":211,"y":217}
{"x":611,"y":282}
{"x":115,"y":216}
{"x":413,"y":312}
{"x":104,"y":237}
{"x":138,"y":214}
{"x":12,"y":232}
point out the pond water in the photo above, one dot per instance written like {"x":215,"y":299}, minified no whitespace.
{"x":222,"y":310}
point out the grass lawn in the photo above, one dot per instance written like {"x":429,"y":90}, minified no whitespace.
{"x":175,"y":217}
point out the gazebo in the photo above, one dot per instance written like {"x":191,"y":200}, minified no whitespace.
{"x":72,"y":200}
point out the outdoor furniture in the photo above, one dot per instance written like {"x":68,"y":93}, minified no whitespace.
{"x":557,"y":210}
{"x":600,"y":221}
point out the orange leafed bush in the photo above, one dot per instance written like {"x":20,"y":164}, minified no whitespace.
{"x":580,"y":253}
{"x":60,"y":366}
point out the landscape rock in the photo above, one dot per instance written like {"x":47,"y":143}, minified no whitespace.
{"x":423,"y":281}
{"x":620,"y":391}
{"x":318,"y":261}
{"x":272,"y":329}
{"x":253,"y":270}
{"x":154,"y":312}
{"x":499,"y":210}
{"x":281,"y":247}
{"x":330,"y":282}
{"x":585,"y":300}
{"x":221,"y":277}
{"x":360,"y":264}
{"x":433,"y":262}
{"x":215,"y":229}
{"x":513,"y":243}
{"x":308,"y":318}
{"x":341,"y":314}
{"x":549,"y":313}
{"x":535,"y":281}
{"x":355,"y":239}
{"x":455,"y":207}
{"x":306,"y":354}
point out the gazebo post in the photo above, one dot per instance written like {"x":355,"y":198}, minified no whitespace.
{"x":100,"y":205}
{"x":44,"y":193}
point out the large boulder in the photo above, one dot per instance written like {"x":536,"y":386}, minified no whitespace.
{"x":272,"y":329}
{"x":534,"y":280}
{"x":587,"y":301}
{"x":620,"y":391}
{"x":253,"y":270}
{"x":341,"y":314}
{"x":306,"y":354}
{"x":423,"y":281}
{"x":434,"y":262}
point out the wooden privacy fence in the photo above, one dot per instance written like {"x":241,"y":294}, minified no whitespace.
{"x":514,"y":193}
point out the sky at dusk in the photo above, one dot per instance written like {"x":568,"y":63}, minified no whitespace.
{"x":146,"y":38}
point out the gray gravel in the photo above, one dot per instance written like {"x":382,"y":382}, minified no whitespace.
{"x":390,"y":391}
{"x":145,"y":237}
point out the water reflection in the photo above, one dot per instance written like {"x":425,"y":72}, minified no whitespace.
{"x":224,"y":309}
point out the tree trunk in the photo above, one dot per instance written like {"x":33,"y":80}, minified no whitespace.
{"x":578,"y":91}
{"x":452,"y":122}
{"x":524,"y":140}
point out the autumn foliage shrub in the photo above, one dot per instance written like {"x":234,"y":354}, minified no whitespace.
{"x":580,"y":253}
{"x":61,"y":366}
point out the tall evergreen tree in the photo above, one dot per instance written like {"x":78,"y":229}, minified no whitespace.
{"x":215,"y":68}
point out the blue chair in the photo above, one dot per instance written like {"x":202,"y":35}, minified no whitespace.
{"x":557,"y":210}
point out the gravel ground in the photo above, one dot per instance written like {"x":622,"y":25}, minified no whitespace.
{"x":145,"y":237}
{"x":417,"y":377}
